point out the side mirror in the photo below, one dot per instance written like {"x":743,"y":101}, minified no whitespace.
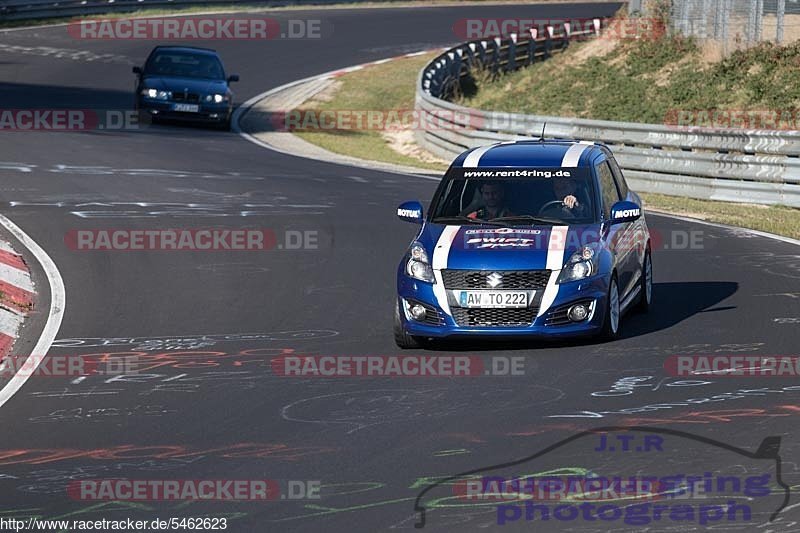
{"x":137,"y":70}
{"x":233,"y":77}
{"x":625,"y":212}
{"x":410,"y":212}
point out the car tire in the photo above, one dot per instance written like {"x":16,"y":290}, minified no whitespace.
{"x":401,"y":338}
{"x":613,"y":317}
{"x":646,"y":296}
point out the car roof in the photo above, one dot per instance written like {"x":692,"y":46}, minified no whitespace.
{"x":187,"y":49}
{"x":531,"y":154}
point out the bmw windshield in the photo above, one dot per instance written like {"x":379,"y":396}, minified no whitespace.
{"x":516,"y":196}
{"x":185,"y":65}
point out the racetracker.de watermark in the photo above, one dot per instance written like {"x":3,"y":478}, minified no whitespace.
{"x":412,"y":366}
{"x":204,"y":28}
{"x":60,"y":366}
{"x":199,"y":240}
{"x":373,"y":120}
{"x":576,"y":28}
{"x":622,"y":242}
{"x":67,"y":120}
{"x":193,"y":489}
{"x":733,"y":365}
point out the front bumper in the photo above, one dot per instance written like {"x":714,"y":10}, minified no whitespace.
{"x":594,"y":289}
{"x":208,"y":113}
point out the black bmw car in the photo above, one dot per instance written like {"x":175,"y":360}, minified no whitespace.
{"x":184,"y":83}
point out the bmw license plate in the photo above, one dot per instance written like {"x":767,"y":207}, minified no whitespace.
{"x":186,"y":108}
{"x":493,"y":299}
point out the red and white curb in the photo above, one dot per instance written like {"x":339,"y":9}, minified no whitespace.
{"x":16,"y":296}
{"x":12,"y":318}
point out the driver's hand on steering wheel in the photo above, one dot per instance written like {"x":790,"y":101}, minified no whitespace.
{"x":570,"y":201}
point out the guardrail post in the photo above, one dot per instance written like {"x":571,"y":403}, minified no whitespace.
{"x":453,"y":73}
{"x":534,"y":33}
{"x":567,"y":30}
{"x":496,"y":55}
{"x":512,"y":53}
{"x":548,"y":43}
{"x":470,"y":51}
{"x":482,"y":52}
{"x":437,"y":80}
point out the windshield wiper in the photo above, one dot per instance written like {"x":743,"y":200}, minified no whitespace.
{"x":449,"y":220}
{"x":530,"y":218}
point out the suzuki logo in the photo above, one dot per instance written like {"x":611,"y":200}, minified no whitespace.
{"x":494,"y":280}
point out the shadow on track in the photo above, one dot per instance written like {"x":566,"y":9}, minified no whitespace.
{"x":108,"y":111}
{"x":672,"y":304}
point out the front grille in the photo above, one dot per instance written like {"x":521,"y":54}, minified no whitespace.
{"x":432,"y":315}
{"x":512,"y":279}
{"x":494,"y":317}
{"x":186,"y":97}
{"x":558,"y":316}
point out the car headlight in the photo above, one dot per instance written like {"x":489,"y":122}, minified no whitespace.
{"x":217,"y":98}
{"x":156,"y":94}
{"x":579,"y":266}
{"x":418,"y":266}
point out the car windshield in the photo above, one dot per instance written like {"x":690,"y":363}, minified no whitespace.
{"x":516,"y":196}
{"x":184,"y":65}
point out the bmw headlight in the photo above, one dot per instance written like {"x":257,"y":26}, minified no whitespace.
{"x":580,"y":266}
{"x":156,"y":94}
{"x":216,"y":98}
{"x":418,"y":266}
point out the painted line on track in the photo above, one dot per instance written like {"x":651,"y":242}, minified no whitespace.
{"x":755,"y":232}
{"x":54,"y":316}
{"x":242,"y":110}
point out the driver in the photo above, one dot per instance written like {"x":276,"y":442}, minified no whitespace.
{"x":493,"y":195}
{"x":566,"y":189}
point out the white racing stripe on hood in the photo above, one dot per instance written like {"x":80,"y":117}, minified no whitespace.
{"x":472,"y":159}
{"x":574,"y":153}
{"x":555,"y":262}
{"x":441,"y":252}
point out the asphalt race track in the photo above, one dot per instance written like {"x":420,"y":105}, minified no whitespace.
{"x":210,"y":407}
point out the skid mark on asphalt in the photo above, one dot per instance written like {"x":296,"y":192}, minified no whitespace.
{"x":363,"y":409}
{"x":190,"y":342}
{"x":101,"y":414}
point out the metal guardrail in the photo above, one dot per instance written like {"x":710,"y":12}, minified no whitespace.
{"x":756,"y":166}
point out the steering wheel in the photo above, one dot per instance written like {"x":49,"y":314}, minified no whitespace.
{"x":550,"y":205}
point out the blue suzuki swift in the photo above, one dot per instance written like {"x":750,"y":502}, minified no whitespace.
{"x":527,"y":238}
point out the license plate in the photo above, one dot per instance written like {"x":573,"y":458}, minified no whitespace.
{"x":493,"y":299}
{"x":186,"y":108}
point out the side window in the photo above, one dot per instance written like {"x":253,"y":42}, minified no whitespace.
{"x":620,"y":179}
{"x":608,"y":189}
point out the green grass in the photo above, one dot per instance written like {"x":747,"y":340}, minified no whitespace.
{"x":647,"y":81}
{"x":385,"y":87}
